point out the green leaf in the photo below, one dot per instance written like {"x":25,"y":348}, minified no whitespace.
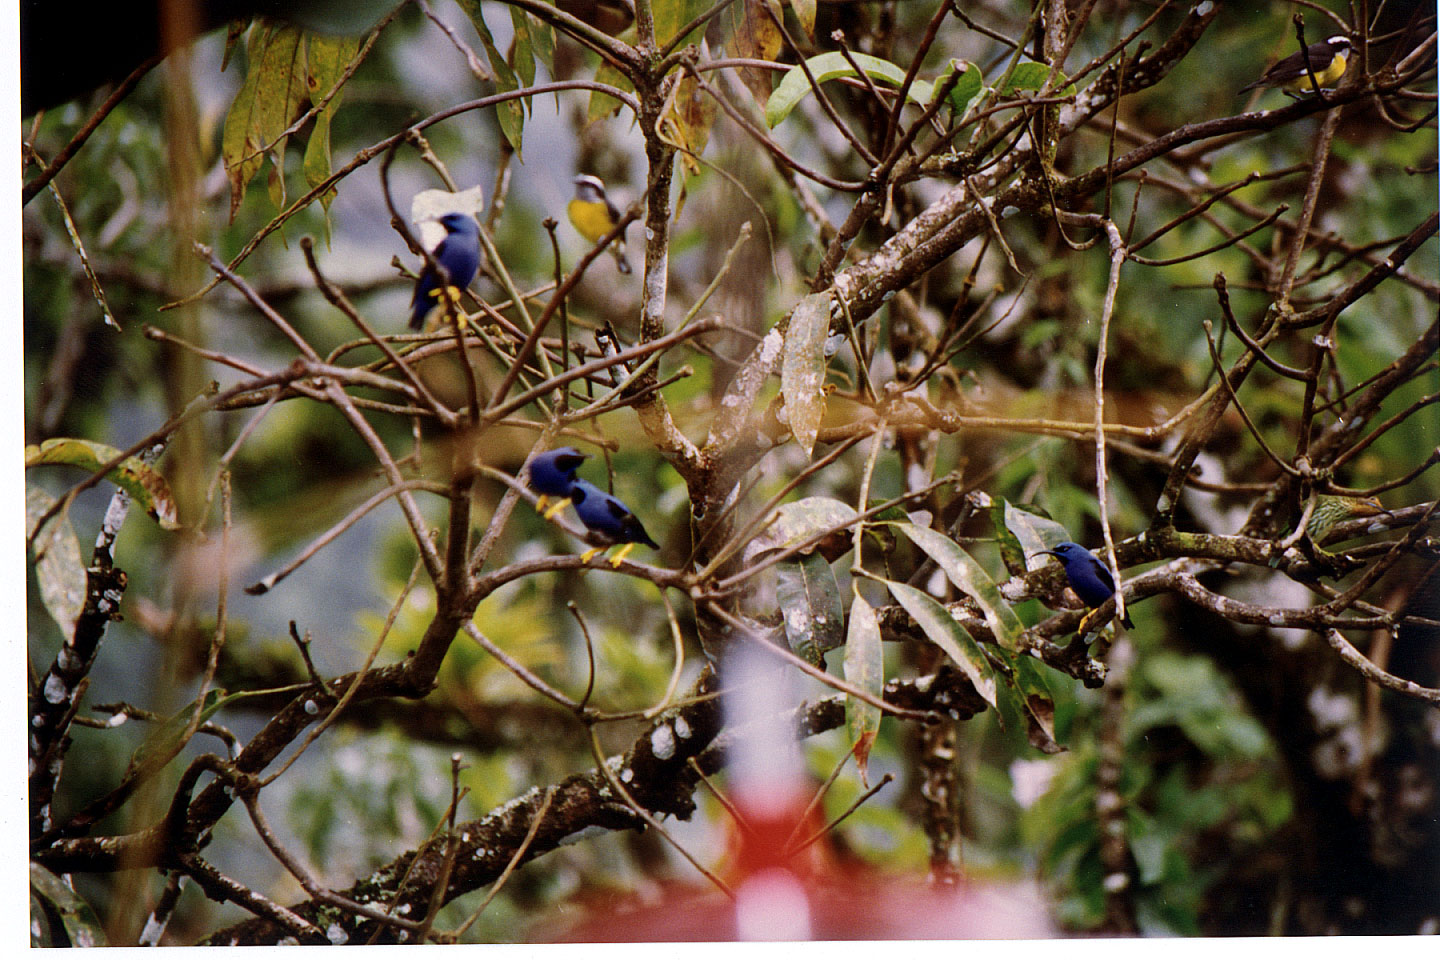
{"x":511,"y":113}
{"x":969,"y":576}
{"x":602,"y":104}
{"x":809,"y":600}
{"x":802,"y":368}
{"x":163,"y":744}
{"x":1149,"y":843}
{"x":943,"y":630}
{"x":522,"y":51}
{"x":542,"y":38}
{"x":328,"y":58}
{"x":317,"y":158}
{"x":51,"y":901}
{"x":1032,"y":76}
{"x":1022,"y":534}
{"x":671,"y":15}
{"x":865,"y":669}
{"x":59,"y":570}
{"x":966,"y":89}
{"x":831,"y":66}
{"x":142,"y":482}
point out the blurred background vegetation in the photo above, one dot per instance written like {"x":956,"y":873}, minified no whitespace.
{"x":1263,"y":787}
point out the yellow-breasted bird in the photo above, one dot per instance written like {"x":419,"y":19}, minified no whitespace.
{"x":1328,"y":59}
{"x":593,"y":215}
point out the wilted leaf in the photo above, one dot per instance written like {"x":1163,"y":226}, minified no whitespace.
{"x":865,"y":669}
{"x":1038,"y":705}
{"x":948,"y":634}
{"x":830,"y":66}
{"x":809,"y":601}
{"x":688,"y":121}
{"x":802,"y":368}
{"x":59,"y":570}
{"x":753,"y":34}
{"x":143,"y":483}
{"x":969,"y":576}
{"x":798,"y":521}
{"x":805,"y":13}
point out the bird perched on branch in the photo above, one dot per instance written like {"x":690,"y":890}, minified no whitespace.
{"x":552,"y":474}
{"x":1088,"y":577}
{"x":1331,"y":510}
{"x":593,"y":215}
{"x":604,"y":514}
{"x":1328,"y":59}
{"x":458,"y":254}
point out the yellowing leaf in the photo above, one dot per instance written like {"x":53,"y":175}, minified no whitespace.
{"x":687,"y":123}
{"x":754,"y":35}
{"x":268,"y":101}
{"x":805,"y":13}
{"x":142,"y":482}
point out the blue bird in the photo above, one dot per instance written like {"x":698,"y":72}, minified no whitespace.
{"x":1088,"y":577}
{"x":552,"y":474}
{"x":458,"y":254}
{"x":603,"y":514}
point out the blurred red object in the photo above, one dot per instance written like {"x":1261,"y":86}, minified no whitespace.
{"x":812,"y":894}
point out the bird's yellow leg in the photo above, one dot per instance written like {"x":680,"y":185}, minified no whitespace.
{"x":621,"y":554}
{"x":555,"y":507}
{"x":588,"y":554}
{"x":1087,"y":623}
{"x":540,"y":503}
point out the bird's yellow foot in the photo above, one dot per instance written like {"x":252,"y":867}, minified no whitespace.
{"x":555,"y":507}
{"x":621,"y":554}
{"x":588,"y":554}
{"x":540,"y":502}
{"x":452,"y":293}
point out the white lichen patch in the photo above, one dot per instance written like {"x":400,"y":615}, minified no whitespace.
{"x":662,"y":742}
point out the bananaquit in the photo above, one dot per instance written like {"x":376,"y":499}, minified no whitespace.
{"x":594,"y":216}
{"x":1327,"y":58}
